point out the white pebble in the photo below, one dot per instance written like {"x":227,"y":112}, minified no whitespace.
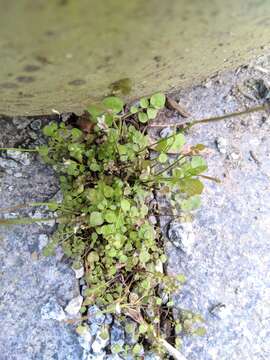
{"x":73,"y":307}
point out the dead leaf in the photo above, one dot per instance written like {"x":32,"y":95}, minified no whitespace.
{"x":173,"y":105}
{"x":84,"y":123}
{"x":134,"y":315}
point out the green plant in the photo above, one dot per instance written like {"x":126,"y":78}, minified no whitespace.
{"x":107,"y":179}
{"x":108,"y":176}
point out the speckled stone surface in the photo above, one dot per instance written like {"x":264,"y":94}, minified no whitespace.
{"x":33,"y":289}
{"x":227,"y":269}
{"x":224,"y":254}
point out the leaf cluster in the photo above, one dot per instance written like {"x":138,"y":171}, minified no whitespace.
{"x":107,"y":179}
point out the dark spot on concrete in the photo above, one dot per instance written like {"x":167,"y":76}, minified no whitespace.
{"x":77,"y":82}
{"x":43,"y":60}
{"x":122,"y":86}
{"x":8,"y":85}
{"x":21,"y":104}
{"x":63,"y":2}
{"x":157,"y":58}
{"x":49,"y":33}
{"x":30,"y":68}
{"x":21,"y":94}
{"x":107,"y":58}
{"x":25,"y":79}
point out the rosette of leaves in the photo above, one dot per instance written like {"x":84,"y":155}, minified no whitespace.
{"x":107,"y":179}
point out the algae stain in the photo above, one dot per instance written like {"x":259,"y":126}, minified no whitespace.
{"x":121,"y":86}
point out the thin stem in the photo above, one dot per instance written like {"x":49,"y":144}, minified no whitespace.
{"x":226,"y":116}
{"x":28,"y":220}
{"x":19,"y":149}
{"x":170,"y":349}
{"x":22,"y":206}
{"x":189,"y":124}
{"x":25,"y":221}
{"x":171,"y":166}
{"x":210,"y":178}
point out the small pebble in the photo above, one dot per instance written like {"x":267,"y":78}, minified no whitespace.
{"x":152,"y":219}
{"x":21,"y":157}
{"x":234,"y":156}
{"x":166,"y":132}
{"x":52,"y":311}
{"x":73,"y":307}
{"x":101,"y":341}
{"x":100,"y":356}
{"x":86,"y":339}
{"x":36,"y":125}
{"x":79,"y":272}
{"x":117,"y":335}
{"x":181,"y":236}
{"x":221,"y":144}
{"x":95,"y":315}
{"x":42,"y":241}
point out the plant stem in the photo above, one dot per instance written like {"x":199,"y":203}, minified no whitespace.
{"x":25,"y":221}
{"x":188,"y":125}
{"x":170,"y":349}
{"x":19,"y":149}
{"x":22,"y":206}
{"x":172,"y":165}
{"x":226,"y":116}
{"x":210,"y":178}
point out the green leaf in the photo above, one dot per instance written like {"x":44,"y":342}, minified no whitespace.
{"x":96,"y":219}
{"x":178,"y":328}
{"x":163,"y":158}
{"x":198,"y":161}
{"x":158,"y":100}
{"x":151,"y":113}
{"x":143,"y":328}
{"x":96,"y":110}
{"x":143,"y":118}
{"x":76,"y":134}
{"x":172,"y":144}
{"x":163,"y":258}
{"x":144,"y":256}
{"x":116,"y":348}
{"x":181,"y":278}
{"x":48,"y":250}
{"x":199,"y":147}
{"x":178,"y":142}
{"x":49,"y":130}
{"x":110,"y":216}
{"x":200,"y":331}
{"x":198,"y":165}
{"x":108,"y":191}
{"x":137,"y":349}
{"x":191,"y":203}
{"x":113,"y":103}
{"x":144,"y":103}
{"x":191,"y":186}
{"x":134,"y":109}
{"x":53,"y":206}
{"x":43,"y":150}
{"x":125,"y":205}
{"x":81,"y":329}
{"x":164,"y":145}
{"x":146,"y":284}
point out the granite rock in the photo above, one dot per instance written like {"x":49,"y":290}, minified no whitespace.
{"x":33,"y":289}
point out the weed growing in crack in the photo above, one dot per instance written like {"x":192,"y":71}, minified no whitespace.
{"x":107,"y":180}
